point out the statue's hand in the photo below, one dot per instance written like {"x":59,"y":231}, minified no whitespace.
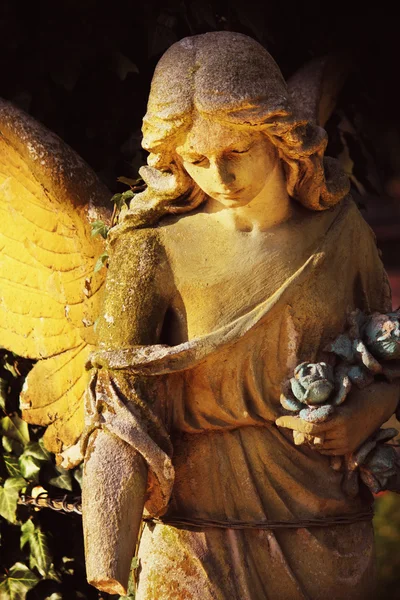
{"x":353,"y":422}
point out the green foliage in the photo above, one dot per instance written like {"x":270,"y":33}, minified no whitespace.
{"x":63,"y":480}
{"x":33,"y":565}
{"x":100,"y":228}
{"x":119,"y":200}
{"x":129,"y":181}
{"x":12,"y":465}
{"x":3,"y":393}
{"x":387,"y":537}
{"x":91,"y":89}
{"x":121,"y":203}
{"x":40,"y":556}
{"x":18,"y":581}
{"x":101,"y":262}
{"x":14,"y":428}
{"x":9,"y":494}
{"x":131,"y":583}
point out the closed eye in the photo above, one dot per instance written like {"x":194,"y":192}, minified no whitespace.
{"x":194,"y":160}
{"x":240,"y":151}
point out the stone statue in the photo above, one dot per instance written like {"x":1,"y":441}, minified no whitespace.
{"x":241,"y":260}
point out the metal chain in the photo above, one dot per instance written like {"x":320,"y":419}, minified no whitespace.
{"x":73,"y":504}
{"x":43,"y":500}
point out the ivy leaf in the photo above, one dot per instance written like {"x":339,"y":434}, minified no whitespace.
{"x":99,"y":228}
{"x":27,"y":530}
{"x":116,"y":199}
{"x":30,"y":467}
{"x":131,"y":583}
{"x":37,"y":450}
{"x":12,"y":465}
{"x":15,"y":428}
{"x":129,"y":181}
{"x":63,"y":481}
{"x":52,"y":574}
{"x":128,"y":195}
{"x":120,"y":199}
{"x":9,"y":365}
{"x":40,"y":556}
{"x":12,"y":446}
{"x":17,"y":583}
{"x":3,"y":393}
{"x":101,"y":261}
{"x":9,"y":497}
{"x":68,"y":566}
{"x":30,"y":462}
{"x":78,"y":471}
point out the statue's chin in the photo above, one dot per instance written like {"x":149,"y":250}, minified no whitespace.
{"x":230,"y":200}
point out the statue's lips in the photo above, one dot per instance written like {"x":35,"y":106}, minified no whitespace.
{"x":229,"y":194}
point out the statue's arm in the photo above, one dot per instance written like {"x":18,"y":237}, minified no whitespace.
{"x":138,"y":289}
{"x":354,"y":421}
{"x":366,"y":288}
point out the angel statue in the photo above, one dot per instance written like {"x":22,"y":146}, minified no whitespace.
{"x":240,"y":260}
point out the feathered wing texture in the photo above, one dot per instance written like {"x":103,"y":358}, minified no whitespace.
{"x":314,"y":88}
{"x":49,"y":294}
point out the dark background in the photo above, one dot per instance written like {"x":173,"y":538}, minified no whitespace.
{"x":83,"y":68}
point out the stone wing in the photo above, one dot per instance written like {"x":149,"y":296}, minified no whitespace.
{"x":49,"y":293}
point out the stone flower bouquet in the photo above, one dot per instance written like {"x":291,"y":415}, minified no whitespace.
{"x":316,"y":389}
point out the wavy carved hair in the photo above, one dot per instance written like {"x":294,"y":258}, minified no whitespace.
{"x":232,"y":79}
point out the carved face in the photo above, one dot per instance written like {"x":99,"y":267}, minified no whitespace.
{"x":230,"y":164}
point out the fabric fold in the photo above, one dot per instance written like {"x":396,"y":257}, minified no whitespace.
{"x":133,"y":421}
{"x":160,"y":359}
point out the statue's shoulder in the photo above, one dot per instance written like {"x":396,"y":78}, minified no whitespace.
{"x":344,"y":215}
{"x":133,"y":241}
{"x":137,"y":258}
{"x":350,"y":215}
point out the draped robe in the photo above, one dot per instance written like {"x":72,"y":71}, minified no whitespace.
{"x":202,"y":414}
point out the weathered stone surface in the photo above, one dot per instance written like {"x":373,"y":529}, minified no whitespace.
{"x":245,"y":258}
{"x":240,"y":261}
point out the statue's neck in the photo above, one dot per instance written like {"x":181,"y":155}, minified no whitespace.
{"x":271,"y":207}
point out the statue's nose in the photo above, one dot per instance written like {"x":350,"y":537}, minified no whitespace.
{"x":223,"y":172}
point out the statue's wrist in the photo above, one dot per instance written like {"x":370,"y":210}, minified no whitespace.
{"x":393,"y":484}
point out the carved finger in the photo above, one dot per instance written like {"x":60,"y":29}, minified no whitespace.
{"x":299,"y":425}
{"x":319,"y":440}
{"x":332,"y":444}
{"x":298,"y":438}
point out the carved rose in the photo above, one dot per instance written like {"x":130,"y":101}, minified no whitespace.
{"x":382,"y":335}
{"x":313,"y":383}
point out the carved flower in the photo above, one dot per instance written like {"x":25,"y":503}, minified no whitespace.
{"x":317,"y":386}
{"x":382,"y":335}
{"x":313,"y":383}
